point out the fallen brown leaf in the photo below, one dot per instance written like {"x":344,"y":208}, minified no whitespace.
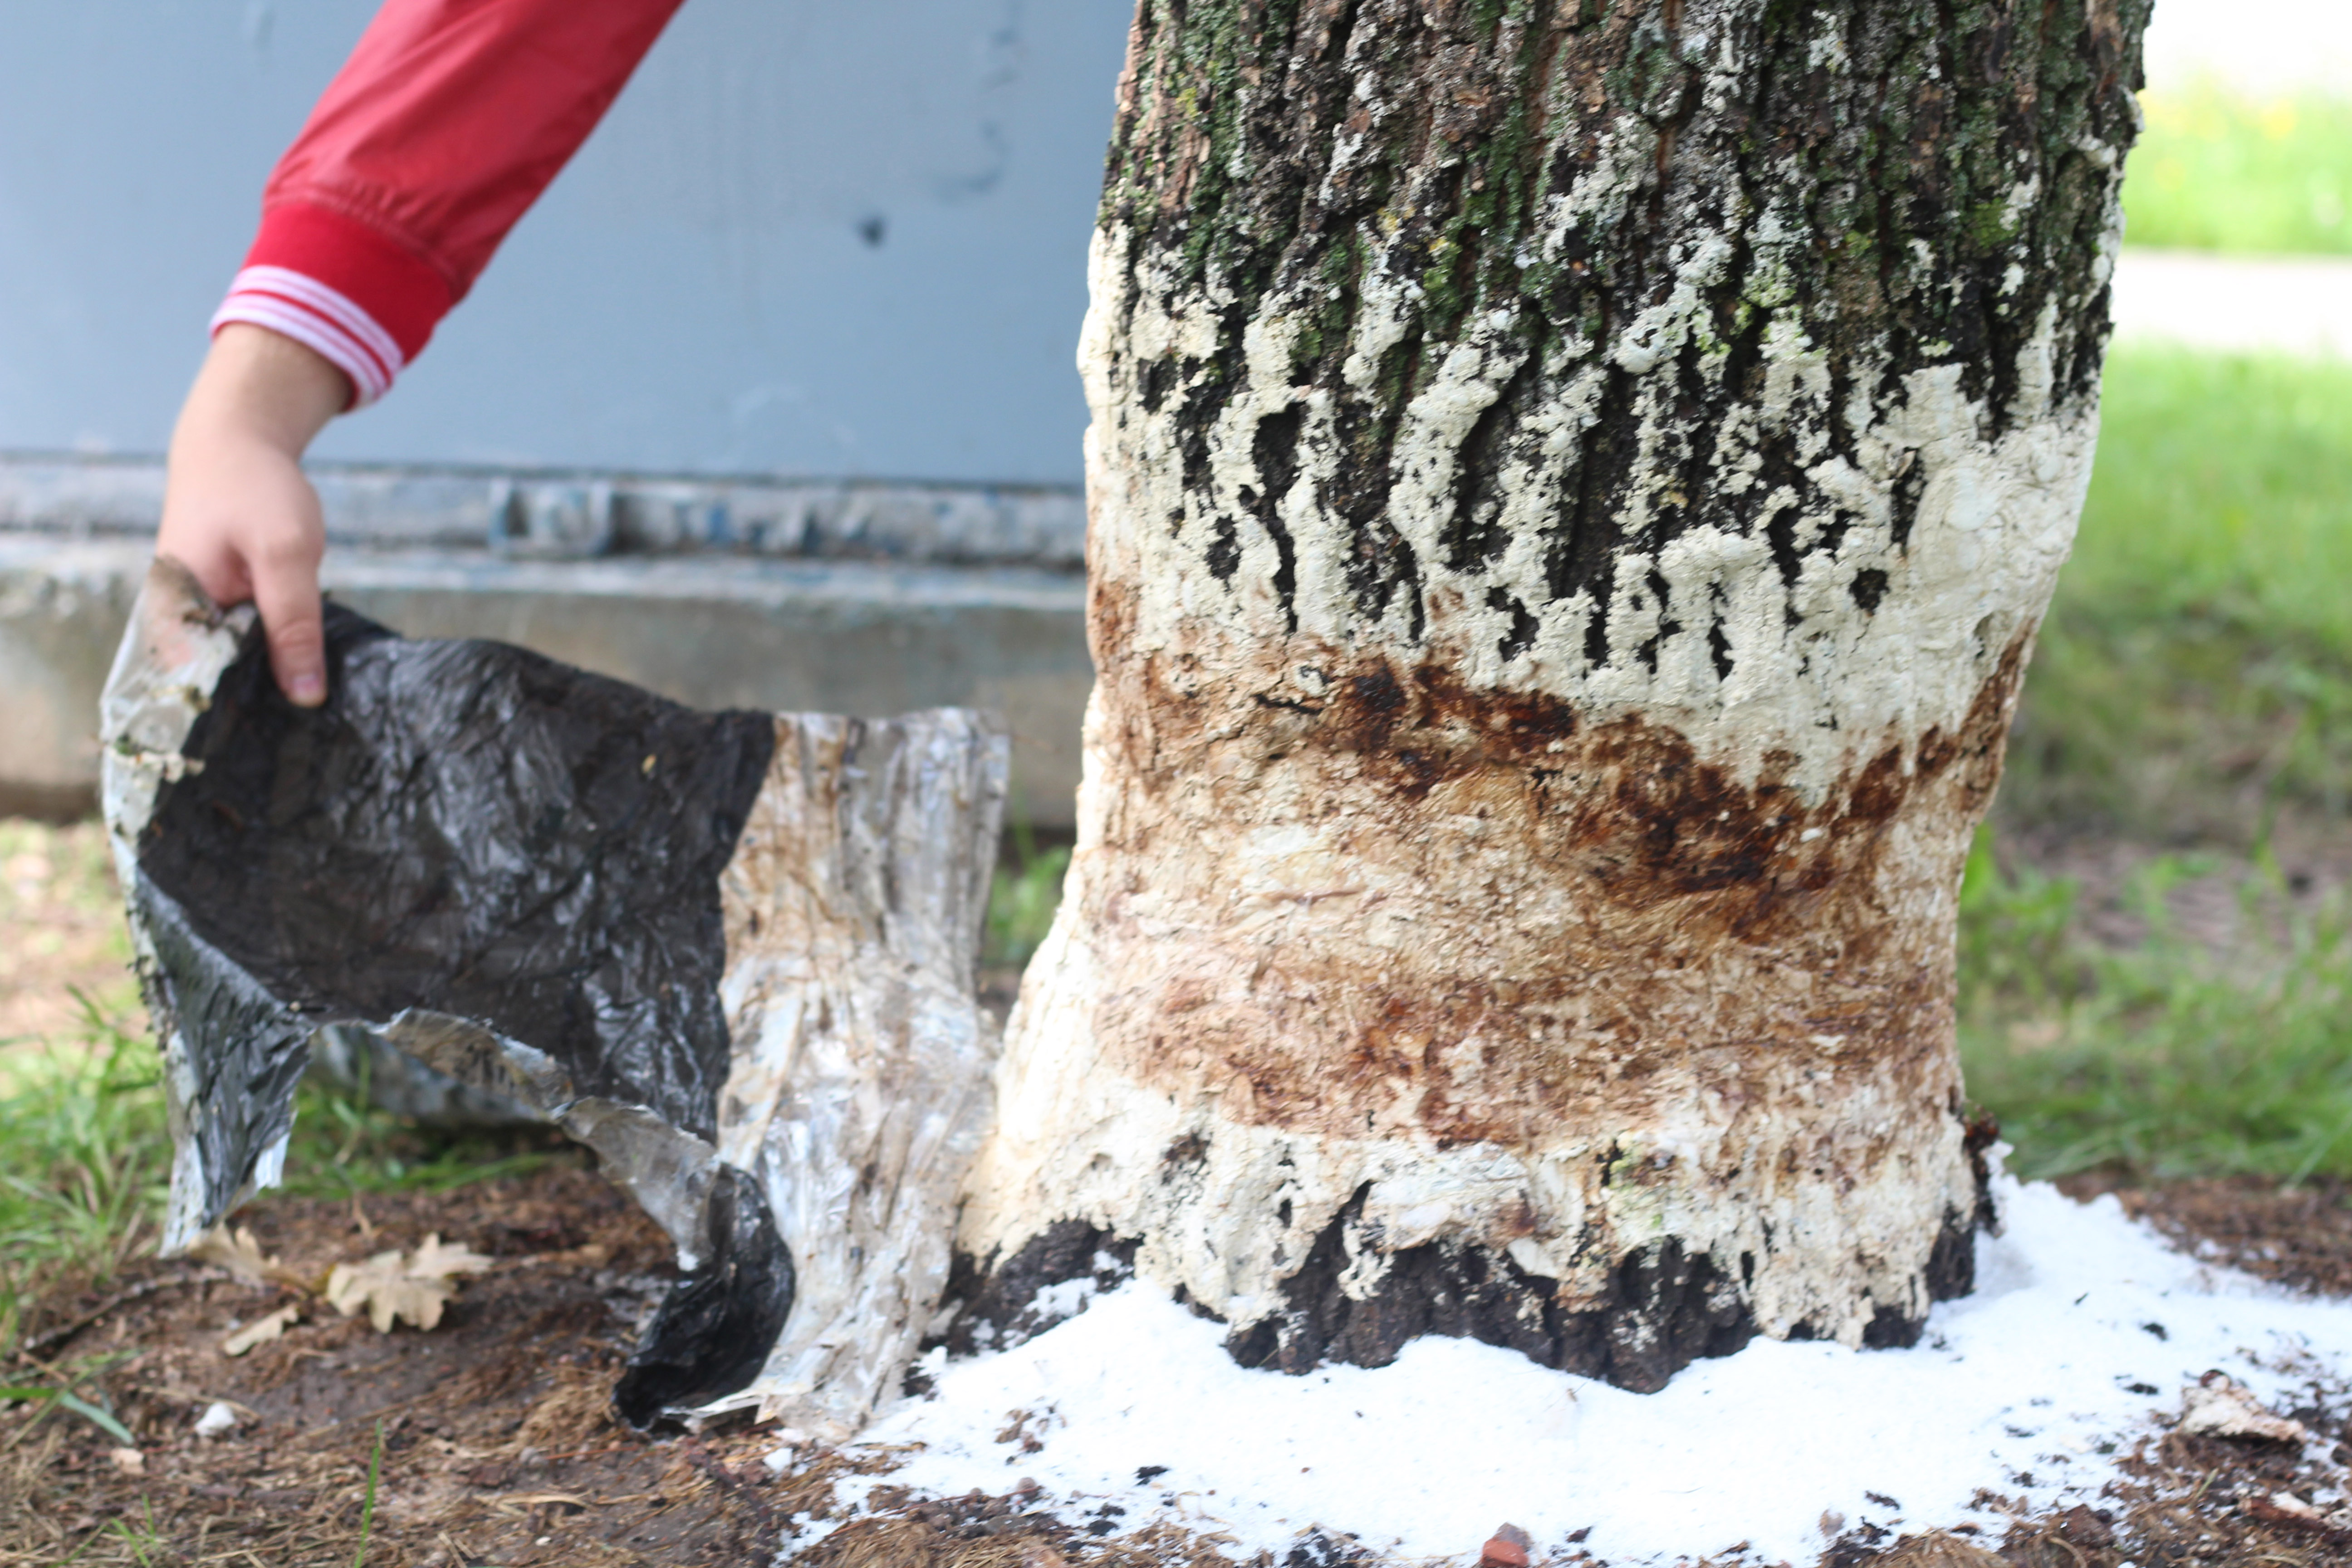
{"x":2218,"y":1406}
{"x":261,"y":1330}
{"x":593,"y":1255}
{"x":2286,"y":1509}
{"x":385,"y":1292}
{"x":391,"y":1286}
{"x":237,"y":1251}
{"x":440,"y":1259}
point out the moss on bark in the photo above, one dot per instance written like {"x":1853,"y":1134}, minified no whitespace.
{"x":1899,"y":183}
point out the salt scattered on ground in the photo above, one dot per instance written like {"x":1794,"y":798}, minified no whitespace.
{"x":2084,"y":1328}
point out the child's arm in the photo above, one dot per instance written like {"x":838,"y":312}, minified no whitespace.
{"x":445,"y":124}
{"x":237,"y":510}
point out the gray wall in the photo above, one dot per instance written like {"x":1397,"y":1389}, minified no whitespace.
{"x":819,"y":236}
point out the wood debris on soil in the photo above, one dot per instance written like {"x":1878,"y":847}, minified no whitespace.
{"x":497,"y":1446}
{"x":498,"y":1449}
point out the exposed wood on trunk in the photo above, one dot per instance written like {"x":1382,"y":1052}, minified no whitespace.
{"x":731,"y":953}
{"x":1573,"y":487}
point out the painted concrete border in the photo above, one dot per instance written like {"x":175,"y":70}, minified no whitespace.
{"x":773,"y":595}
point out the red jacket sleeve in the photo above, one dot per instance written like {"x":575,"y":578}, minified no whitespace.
{"x":445,"y":124}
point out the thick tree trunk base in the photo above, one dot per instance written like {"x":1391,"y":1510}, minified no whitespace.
{"x":1574,"y":1043}
{"x":1573,"y":489}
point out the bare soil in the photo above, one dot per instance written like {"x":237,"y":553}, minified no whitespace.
{"x":496,"y":1448}
{"x":2300,"y":1238}
{"x":495,"y":1444}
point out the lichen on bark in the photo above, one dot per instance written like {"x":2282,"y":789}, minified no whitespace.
{"x":1573,"y":486}
{"x":1895,"y":187}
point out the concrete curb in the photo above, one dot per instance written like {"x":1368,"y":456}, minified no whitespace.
{"x":890,"y":598}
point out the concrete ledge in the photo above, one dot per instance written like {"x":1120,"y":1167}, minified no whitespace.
{"x":576,"y":515}
{"x":715,"y":630}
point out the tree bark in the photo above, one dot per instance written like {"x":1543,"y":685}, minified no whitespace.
{"x":1573,"y":486}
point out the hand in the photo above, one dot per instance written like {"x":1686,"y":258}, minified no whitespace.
{"x":237,"y":510}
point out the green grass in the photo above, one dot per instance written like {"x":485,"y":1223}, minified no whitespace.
{"x":342,"y":1145}
{"x":1021,"y":902}
{"x":2220,"y":170}
{"x":367,"y":1508}
{"x":85,"y":1158}
{"x":2193,"y":686}
{"x":2164,"y":1059}
{"x":146,"y":1544}
{"x":2197,"y":664}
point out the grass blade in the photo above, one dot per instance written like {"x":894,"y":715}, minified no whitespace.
{"x":79,"y":1407}
{"x":367,"y":1508}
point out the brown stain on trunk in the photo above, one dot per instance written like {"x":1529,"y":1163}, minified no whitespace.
{"x":1634,"y":919}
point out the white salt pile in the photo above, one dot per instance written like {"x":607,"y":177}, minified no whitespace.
{"x":2084,"y":1328}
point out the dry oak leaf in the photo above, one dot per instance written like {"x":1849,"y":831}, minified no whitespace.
{"x":237,"y":1251}
{"x":2218,"y":1406}
{"x":2285,"y":1508}
{"x":392,"y":1285}
{"x":262,"y":1330}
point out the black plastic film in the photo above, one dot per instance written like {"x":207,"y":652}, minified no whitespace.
{"x":471,"y":826}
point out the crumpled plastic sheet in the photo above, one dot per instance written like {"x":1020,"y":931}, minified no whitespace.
{"x":732,"y":953}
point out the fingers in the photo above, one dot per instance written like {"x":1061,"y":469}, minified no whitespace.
{"x":286,"y":592}
{"x":218,"y":570}
{"x":246,"y":523}
{"x":237,"y":512}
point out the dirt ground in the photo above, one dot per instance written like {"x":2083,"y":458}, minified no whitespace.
{"x":496,"y":1448}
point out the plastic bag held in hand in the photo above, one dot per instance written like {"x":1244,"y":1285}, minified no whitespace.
{"x":732,"y":953}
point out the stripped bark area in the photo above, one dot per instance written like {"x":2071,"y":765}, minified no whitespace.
{"x":858,"y":1084}
{"x":1573,"y":486}
{"x":731,"y":953}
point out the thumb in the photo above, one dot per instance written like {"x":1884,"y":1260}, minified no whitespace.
{"x":286,"y":592}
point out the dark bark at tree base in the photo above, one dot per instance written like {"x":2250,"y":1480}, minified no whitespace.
{"x":996,"y":1303}
{"x":1665,"y":1308}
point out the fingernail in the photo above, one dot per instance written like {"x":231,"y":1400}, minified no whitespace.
{"x":310,"y":689}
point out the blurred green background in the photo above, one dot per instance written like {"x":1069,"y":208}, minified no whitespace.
{"x":2222,"y":169}
{"x":2156,"y":942}
{"x":2156,"y":949}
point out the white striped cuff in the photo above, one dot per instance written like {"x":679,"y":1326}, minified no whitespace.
{"x":318,"y":318}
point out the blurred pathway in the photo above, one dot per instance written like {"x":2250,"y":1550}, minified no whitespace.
{"x":2294,"y":305}
{"x":2300,"y":304}
{"x":60,"y":929}
{"x":2254,"y":46}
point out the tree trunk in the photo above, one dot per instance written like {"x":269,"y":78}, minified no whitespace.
{"x":1573,"y":487}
